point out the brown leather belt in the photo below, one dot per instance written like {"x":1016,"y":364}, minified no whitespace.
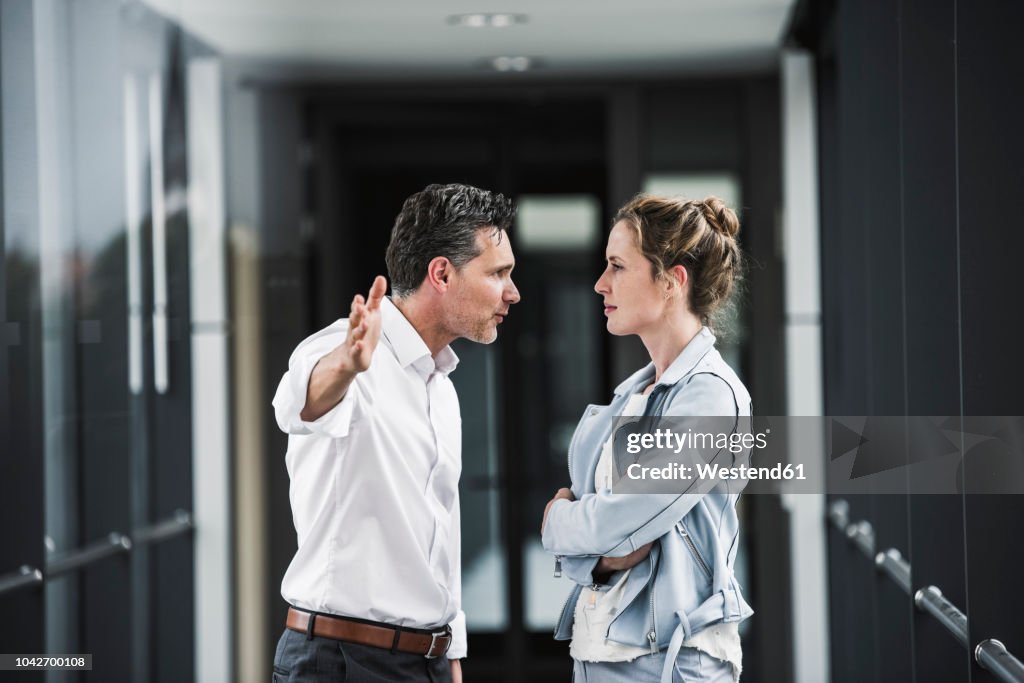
{"x":395,"y":638}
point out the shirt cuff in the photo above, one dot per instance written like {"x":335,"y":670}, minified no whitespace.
{"x":459,"y":645}
{"x":337,"y":421}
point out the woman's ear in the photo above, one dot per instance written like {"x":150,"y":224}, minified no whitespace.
{"x":677,"y":278}
{"x":439,"y":272}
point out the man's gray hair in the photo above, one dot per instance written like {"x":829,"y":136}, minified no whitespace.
{"x":441,"y":220}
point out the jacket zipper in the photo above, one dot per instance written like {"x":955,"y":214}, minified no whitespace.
{"x":693,"y":549}
{"x":652,"y":635}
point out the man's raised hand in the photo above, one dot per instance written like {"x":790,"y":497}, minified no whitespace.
{"x":335,"y":372}
{"x":364,"y":327}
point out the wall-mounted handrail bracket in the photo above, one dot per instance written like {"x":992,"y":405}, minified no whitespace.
{"x":839,"y":514}
{"x":892,"y":564}
{"x":993,"y":656}
{"x":114,"y":544}
{"x":930,"y":599}
{"x":863,"y":536}
{"x":25,"y":577}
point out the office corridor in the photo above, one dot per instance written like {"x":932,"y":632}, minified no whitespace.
{"x":191,"y":187}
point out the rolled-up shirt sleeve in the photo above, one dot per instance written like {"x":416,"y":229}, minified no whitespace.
{"x":290,"y":398}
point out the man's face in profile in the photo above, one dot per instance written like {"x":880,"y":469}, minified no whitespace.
{"x":482,"y":290}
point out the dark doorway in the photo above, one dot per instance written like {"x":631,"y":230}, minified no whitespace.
{"x":520,"y":397}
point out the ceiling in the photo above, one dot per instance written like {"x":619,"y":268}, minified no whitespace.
{"x":412,"y":38}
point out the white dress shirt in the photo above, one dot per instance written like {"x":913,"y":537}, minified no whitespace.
{"x":374,"y":485}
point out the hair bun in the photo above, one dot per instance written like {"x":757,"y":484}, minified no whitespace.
{"x":720,"y":217}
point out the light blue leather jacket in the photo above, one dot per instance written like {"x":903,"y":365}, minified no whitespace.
{"x":687,"y":582}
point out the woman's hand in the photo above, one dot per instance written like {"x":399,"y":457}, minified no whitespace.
{"x":563,"y":493}
{"x":456,"y":667}
{"x":607,"y":566}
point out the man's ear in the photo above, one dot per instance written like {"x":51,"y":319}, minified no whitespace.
{"x":439,"y":272}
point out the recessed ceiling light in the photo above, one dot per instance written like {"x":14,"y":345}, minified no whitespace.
{"x":512,"y":63}
{"x":487,"y":20}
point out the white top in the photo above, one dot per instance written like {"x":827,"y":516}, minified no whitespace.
{"x":595,"y":609}
{"x":374,"y":485}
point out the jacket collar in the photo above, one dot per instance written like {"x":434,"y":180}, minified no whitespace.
{"x":686,"y":361}
{"x":408,"y":345}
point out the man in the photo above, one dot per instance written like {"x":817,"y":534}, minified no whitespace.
{"x":374,"y":451}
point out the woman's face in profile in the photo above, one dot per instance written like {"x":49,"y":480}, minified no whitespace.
{"x":633,"y":300}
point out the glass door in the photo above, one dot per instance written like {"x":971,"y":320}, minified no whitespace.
{"x":97,"y":383}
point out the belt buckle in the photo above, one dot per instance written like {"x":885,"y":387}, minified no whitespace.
{"x":433,"y":641}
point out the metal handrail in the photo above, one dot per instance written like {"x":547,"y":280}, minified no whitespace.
{"x":990,"y":654}
{"x":180,"y":523}
{"x":892,"y":564}
{"x":23,"y":578}
{"x":930,"y":600}
{"x":993,"y":656}
{"x":114,"y":544}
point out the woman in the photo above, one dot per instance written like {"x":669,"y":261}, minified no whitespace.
{"x":655,"y":594}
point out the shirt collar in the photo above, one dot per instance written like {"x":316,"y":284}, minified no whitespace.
{"x":687,"y":359}
{"x":408,"y":345}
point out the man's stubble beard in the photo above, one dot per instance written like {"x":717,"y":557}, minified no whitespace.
{"x":484,"y":332}
{"x":475,"y":330}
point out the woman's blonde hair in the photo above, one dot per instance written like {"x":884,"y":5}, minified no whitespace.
{"x":698,"y":235}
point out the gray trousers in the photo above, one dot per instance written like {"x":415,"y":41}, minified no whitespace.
{"x":691,"y":665}
{"x":322,"y":660}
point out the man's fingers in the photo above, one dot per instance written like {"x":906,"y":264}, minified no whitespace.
{"x":355,"y":316}
{"x":377,"y":290}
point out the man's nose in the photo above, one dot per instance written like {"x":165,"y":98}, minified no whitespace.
{"x":512,"y":295}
